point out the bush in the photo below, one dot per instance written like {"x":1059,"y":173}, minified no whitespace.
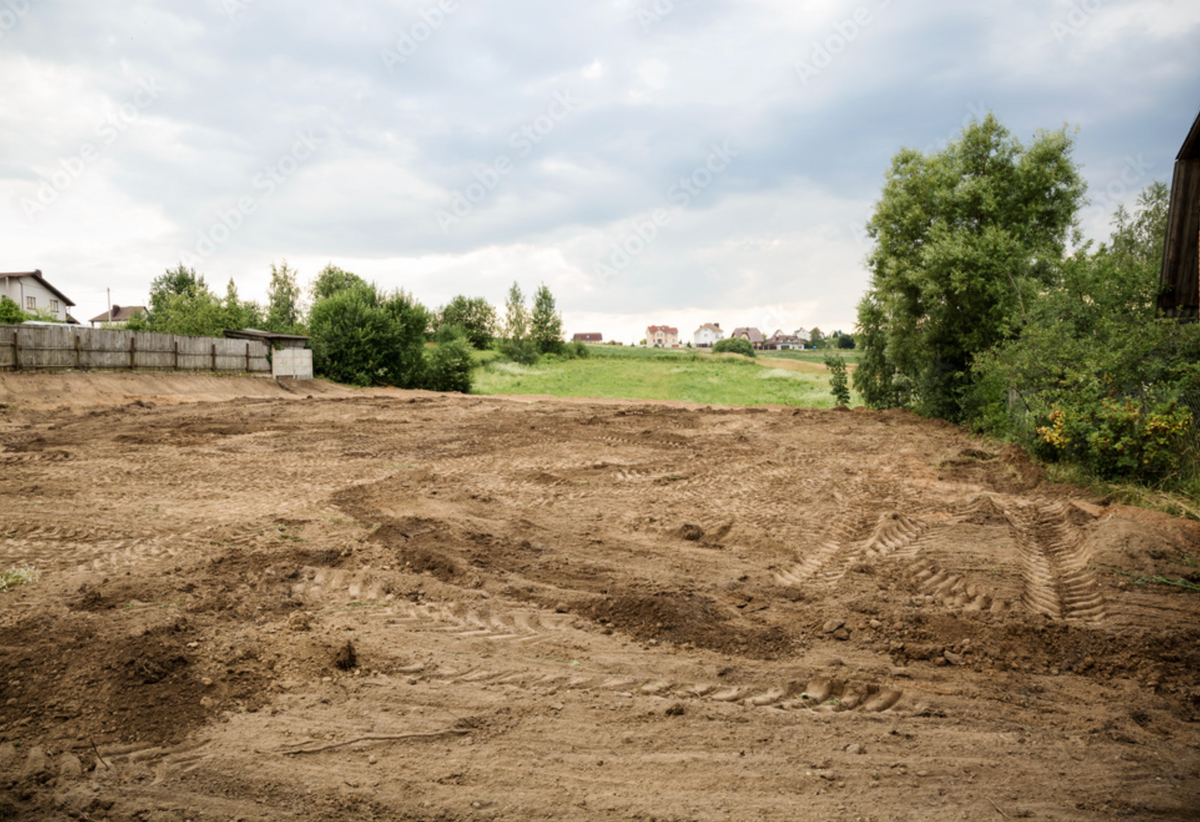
{"x":363,"y":337}
{"x":839,"y":384}
{"x":734,"y":345}
{"x":11,"y":313}
{"x":448,"y":367}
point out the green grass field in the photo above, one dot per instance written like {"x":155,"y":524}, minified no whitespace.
{"x":655,"y":374}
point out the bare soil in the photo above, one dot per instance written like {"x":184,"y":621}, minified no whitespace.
{"x":302,"y":602}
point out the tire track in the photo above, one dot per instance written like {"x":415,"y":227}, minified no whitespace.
{"x":1057,"y":579}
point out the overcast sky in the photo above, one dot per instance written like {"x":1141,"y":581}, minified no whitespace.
{"x":652,"y":161}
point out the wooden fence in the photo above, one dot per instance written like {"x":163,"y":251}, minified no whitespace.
{"x":67,"y":346}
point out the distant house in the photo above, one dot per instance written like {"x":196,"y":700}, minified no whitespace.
{"x":707,"y":335}
{"x":783,"y":342}
{"x":119,"y":315}
{"x":1179,"y":282}
{"x":802,"y":334}
{"x":662,"y":336}
{"x":753,"y":335}
{"x":588,"y":338}
{"x":30,"y":291}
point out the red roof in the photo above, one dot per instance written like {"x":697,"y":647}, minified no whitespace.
{"x":665,"y":329}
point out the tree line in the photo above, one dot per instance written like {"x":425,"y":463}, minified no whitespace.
{"x":985,"y":307}
{"x":363,"y":334}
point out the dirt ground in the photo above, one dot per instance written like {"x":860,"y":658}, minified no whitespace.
{"x":302,"y":602}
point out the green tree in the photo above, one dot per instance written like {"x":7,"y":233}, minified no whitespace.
{"x":475,"y":315}
{"x":1094,"y":378}
{"x":283,"y":301}
{"x":240,"y":313}
{"x":362,"y":336}
{"x":733,"y":345}
{"x":965,"y":239}
{"x":11,"y":313}
{"x":174,"y":282}
{"x":546,"y":327}
{"x":838,"y":383}
{"x":331,"y":280}
{"x":816,"y":339}
{"x":517,"y":345}
{"x":845,"y":341}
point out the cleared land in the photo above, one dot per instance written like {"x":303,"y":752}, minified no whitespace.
{"x":391,"y":605}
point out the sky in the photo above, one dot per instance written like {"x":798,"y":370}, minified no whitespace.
{"x":668,"y":162}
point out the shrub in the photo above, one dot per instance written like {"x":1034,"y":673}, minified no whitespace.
{"x":839,"y":384}
{"x":448,"y":367}
{"x":734,"y":345}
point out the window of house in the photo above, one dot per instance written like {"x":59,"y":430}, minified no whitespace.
{"x":54,"y":306}
{"x":31,"y":303}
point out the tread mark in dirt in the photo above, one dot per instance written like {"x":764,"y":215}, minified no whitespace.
{"x":831,"y":561}
{"x":954,"y":590}
{"x":1057,"y":579}
{"x":523,"y":627}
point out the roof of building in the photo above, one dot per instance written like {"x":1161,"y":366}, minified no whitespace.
{"x":711,"y":327}
{"x":37,"y":275}
{"x":1190,"y":150}
{"x":589,"y":336}
{"x":119,"y":314}
{"x":752,"y":334}
{"x":666,"y":329}
{"x":258,"y":334}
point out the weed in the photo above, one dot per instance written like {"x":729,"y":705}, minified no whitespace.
{"x":1156,"y":579}
{"x":14,"y":577}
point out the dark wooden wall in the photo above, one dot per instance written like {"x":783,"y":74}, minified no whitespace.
{"x":1179,"y":282}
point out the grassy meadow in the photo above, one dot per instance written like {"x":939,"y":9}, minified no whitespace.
{"x":785,"y":378}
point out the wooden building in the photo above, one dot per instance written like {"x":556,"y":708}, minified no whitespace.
{"x":1179,"y":292}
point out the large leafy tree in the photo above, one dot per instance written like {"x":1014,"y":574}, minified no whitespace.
{"x":475,"y":315}
{"x":364,"y":336}
{"x":331,"y":280}
{"x":965,"y":238}
{"x":545,"y":324}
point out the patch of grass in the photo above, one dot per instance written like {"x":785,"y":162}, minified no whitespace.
{"x":613,"y":372}
{"x":15,"y":577}
{"x":1156,"y":579}
{"x":1178,"y":500}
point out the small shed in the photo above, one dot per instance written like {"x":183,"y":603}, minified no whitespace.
{"x":289,"y":356}
{"x":1179,"y":283}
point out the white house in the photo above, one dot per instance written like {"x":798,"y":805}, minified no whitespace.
{"x":30,"y":291}
{"x":707,"y":334}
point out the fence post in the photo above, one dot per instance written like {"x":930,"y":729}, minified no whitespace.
{"x":132,"y":352}
{"x":78,"y":352}
{"x":247,"y":358}
{"x":214,"y":358}
{"x":177,"y":355}
{"x":16,"y":349}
